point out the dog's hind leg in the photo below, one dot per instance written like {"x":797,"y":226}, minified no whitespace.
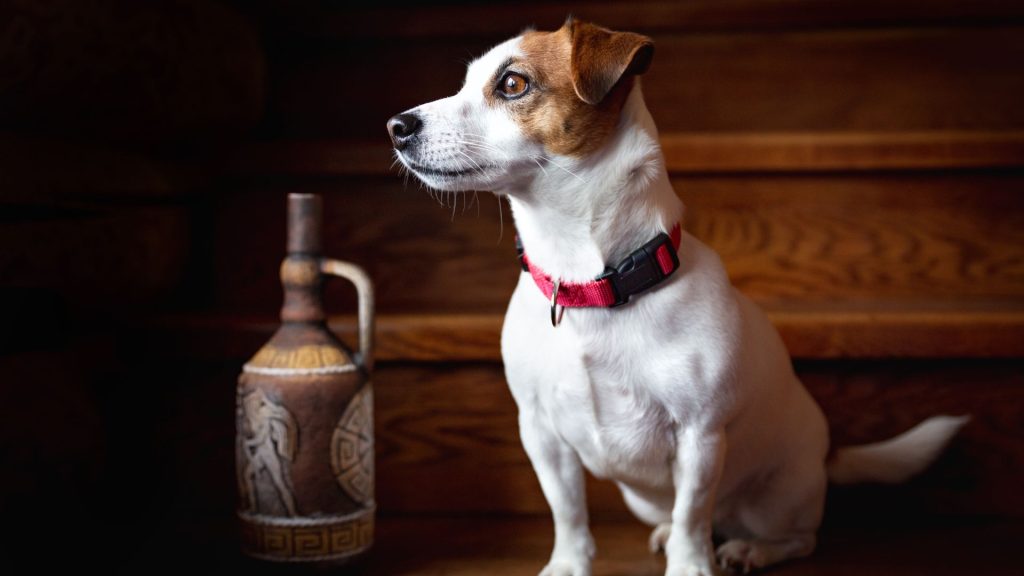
{"x":780,"y":521}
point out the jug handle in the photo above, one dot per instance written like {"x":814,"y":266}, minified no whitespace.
{"x":364,"y":288}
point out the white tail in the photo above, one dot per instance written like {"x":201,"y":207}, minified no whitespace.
{"x":897,"y":459}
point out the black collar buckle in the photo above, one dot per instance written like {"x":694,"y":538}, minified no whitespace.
{"x":640,"y":270}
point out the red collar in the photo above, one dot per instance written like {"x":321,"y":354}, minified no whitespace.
{"x":642,"y":269}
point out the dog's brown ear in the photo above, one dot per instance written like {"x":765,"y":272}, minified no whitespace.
{"x":600,"y":58}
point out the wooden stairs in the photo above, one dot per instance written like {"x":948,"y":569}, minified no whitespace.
{"x":859,"y":167}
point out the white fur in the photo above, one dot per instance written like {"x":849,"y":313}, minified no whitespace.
{"x":898,"y":459}
{"x":685,"y":397}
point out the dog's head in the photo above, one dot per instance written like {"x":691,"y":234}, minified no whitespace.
{"x":528,"y":100}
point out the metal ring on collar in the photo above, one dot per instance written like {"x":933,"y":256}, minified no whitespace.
{"x":556,"y":315}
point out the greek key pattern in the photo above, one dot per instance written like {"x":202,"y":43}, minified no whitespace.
{"x":303,"y":540}
{"x":352,"y":447}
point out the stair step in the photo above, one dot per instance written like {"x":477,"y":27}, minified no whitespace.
{"x":447,"y":433}
{"x":863,"y":79}
{"x":836,"y":242}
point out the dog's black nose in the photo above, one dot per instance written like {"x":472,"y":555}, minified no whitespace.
{"x":402,"y":128}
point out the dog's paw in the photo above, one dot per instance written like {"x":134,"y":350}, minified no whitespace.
{"x":659,"y":536}
{"x":566,"y":567}
{"x":740,"y":556}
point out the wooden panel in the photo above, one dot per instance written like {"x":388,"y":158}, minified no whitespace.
{"x":448,"y":441}
{"x":884,"y":80}
{"x":861,"y":80}
{"x":95,"y":257}
{"x":689,"y":153}
{"x":147,"y":72}
{"x":920,"y":242}
{"x":902,"y":240}
{"x":448,"y":437}
{"x":421,"y":255}
{"x":88,"y":172}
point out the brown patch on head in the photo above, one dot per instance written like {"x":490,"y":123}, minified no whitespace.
{"x":580,"y":77}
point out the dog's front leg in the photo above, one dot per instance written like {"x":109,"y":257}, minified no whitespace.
{"x":699,"y":457}
{"x":561,"y":478}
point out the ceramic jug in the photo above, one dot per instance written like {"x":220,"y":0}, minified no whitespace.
{"x":304,"y":416}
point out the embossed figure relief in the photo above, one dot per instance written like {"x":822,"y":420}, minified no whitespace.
{"x":268,"y":438}
{"x":352,"y":448}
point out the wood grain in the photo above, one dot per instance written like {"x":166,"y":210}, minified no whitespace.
{"x":144,"y":74}
{"x":448,"y":442}
{"x":89,"y":173}
{"x":454,"y":256}
{"x":687,"y":153}
{"x":851,"y":81}
{"x":447,"y":435}
{"x":836,"y":81}
{"x":856,"y":162}
{"x":900,"y":243}
{"x":121,"y":258}
{"x":448,"y":448}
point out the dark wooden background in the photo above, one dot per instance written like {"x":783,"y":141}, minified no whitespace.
{"x":858,"y":165}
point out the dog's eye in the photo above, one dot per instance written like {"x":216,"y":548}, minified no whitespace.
{"x":513,"y":85}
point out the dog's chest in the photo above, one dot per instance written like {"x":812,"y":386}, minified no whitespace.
{"x":614,"y":424}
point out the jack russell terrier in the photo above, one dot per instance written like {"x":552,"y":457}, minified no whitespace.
{"x":662,"y":377}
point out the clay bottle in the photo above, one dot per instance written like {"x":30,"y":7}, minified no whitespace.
{"x":305,"y":416}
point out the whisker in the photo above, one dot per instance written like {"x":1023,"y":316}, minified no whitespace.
{"x":539,"y":165}
{"x":557,"y":165}
{"x":501,"y":221}
{"x":481,"y":142}
{"x":475,"y":165}
{"x":483,"y":146}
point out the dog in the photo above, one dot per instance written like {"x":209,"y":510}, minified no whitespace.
{"x":660,"y":376}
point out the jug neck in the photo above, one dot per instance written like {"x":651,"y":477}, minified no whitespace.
{"x":302,"y":282}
